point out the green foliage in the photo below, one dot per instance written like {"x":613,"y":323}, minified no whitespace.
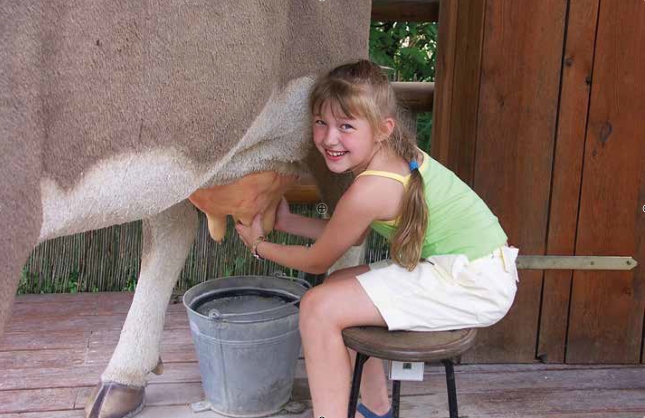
{"x":72,"y":283}
{"x":409,"y":50}
{"x":238,"y":263}
{"x":130,"y":285}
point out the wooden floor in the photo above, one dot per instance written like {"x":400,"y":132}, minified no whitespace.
{"x":56,"y":347}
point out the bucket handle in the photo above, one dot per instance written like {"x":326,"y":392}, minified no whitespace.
{"x":215,"y":314}
{"x":281,"y":275}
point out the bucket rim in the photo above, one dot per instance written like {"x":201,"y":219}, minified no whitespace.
{"x":232,"y":317}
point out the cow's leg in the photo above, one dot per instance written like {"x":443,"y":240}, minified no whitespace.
{"x":167,"y":239}
{"x":21,"y":214}
{"x":20,"y":221}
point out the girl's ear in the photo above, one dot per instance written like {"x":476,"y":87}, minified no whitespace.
{"x":387,"y":127}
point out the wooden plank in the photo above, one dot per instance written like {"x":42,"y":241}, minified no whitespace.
{"x":486,"y":394}
{"x":515,"y":141}
{"x":52,"y":311}
{"x":567,"y":174}
{"x":542,"y":390}
{"x":87,"y":323}
{"x":484,"y":391}
{"x":535,"y":367}
{"x":510,"y":402}
{"x":513,"y":403}
{"x":465,"y":93}
{"x":70,"y":398}
{"x":87,"y":375}
{"x":42,"y":358}
{"x":14,"y":341}
{"x":70,"y":413}
{"x":412,"y":411}
{"x":606,"y":322}
{"x":63,"y":298}
{"x":471,"y":377}
{"x":12,"y":401}
{"x":469,"y":381}
{"x":405,"y":10}
{"x":636,"y":413}
{"x":444,"y":82}
{"x":415,"y":96}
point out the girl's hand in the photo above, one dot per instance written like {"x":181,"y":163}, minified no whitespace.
{"x":250,"y":234}
{"x":282,"y":213}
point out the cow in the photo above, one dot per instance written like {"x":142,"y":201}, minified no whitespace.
{"x":112,"y":112}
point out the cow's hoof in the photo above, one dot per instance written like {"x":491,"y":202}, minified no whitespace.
{"x":158,"y":370}
{"x":114,"y":400}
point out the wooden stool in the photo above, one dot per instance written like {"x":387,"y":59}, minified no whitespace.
{"x":407,"y":346}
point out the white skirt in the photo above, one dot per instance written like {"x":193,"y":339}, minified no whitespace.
{"x":444,"y":292}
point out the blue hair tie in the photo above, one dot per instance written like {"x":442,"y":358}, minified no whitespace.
{"x":413,"y":165}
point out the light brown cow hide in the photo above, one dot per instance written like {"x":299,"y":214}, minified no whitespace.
{"x":254,"y":193}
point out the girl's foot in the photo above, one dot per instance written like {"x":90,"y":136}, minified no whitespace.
{"x":369,"y":414}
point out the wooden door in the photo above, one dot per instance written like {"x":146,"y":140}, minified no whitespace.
{"x":605,"y":315}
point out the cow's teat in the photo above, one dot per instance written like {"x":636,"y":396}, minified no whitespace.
{"x":244,"y":198}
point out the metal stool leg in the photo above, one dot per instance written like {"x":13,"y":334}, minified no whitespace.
{"x":452,"y":389}
{"x":396,"y":396}
{"x":356,"y":384}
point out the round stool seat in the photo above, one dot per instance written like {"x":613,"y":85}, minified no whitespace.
{"x":410,"y":346}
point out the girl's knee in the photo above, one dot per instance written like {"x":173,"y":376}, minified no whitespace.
{"x":310,"y":305}
{"x":313,"y":305}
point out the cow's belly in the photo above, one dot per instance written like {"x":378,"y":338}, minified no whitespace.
{"x":137,"y":186}
{"x":118,"y":190}
{"x":126,"y":187}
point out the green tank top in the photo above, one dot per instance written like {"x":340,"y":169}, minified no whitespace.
{"x":459,"y":222}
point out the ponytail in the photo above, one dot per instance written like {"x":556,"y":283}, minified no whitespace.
{"x":407,"y":239}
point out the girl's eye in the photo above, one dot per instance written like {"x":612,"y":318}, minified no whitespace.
{"x":346,"y":126}
{"x":319,"y":122}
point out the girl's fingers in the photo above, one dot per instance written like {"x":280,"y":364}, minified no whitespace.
{"x":257,"y":223}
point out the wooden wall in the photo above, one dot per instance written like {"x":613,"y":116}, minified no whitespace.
{"x":540,"y":107}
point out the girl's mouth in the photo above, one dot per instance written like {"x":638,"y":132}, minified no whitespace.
{"x":335,"y":155}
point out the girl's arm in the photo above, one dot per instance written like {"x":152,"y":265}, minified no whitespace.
{"x":354,"y":212}
{"x":303,"y":226}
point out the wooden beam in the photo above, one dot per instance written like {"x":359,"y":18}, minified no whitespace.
{"x":415,"y":96}
{"x":405,"y":10}
{"x":575,"y":94}
{"x":514,"y":151}
{"x":606,"y":310}
{"x":441,"y":143}
{"x":304,"y":192}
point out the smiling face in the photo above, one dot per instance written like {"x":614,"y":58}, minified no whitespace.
{"x":345,"y":143}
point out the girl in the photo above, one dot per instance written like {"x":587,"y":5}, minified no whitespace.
{"x":451,"y":266}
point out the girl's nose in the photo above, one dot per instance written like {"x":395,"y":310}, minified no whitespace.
{"x":331,"y":137}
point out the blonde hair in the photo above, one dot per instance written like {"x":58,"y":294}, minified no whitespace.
{"x":361,"y":89}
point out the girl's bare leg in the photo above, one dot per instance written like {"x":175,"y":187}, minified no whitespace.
{"x":325,"y":311}
{"x":374,"y":393}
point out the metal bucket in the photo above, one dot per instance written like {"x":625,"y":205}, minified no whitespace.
{"x":245,"y":330}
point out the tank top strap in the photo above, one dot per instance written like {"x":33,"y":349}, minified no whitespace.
{"x":394,"y":176}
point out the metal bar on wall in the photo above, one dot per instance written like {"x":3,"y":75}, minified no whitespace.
{"x":576,"y":262}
